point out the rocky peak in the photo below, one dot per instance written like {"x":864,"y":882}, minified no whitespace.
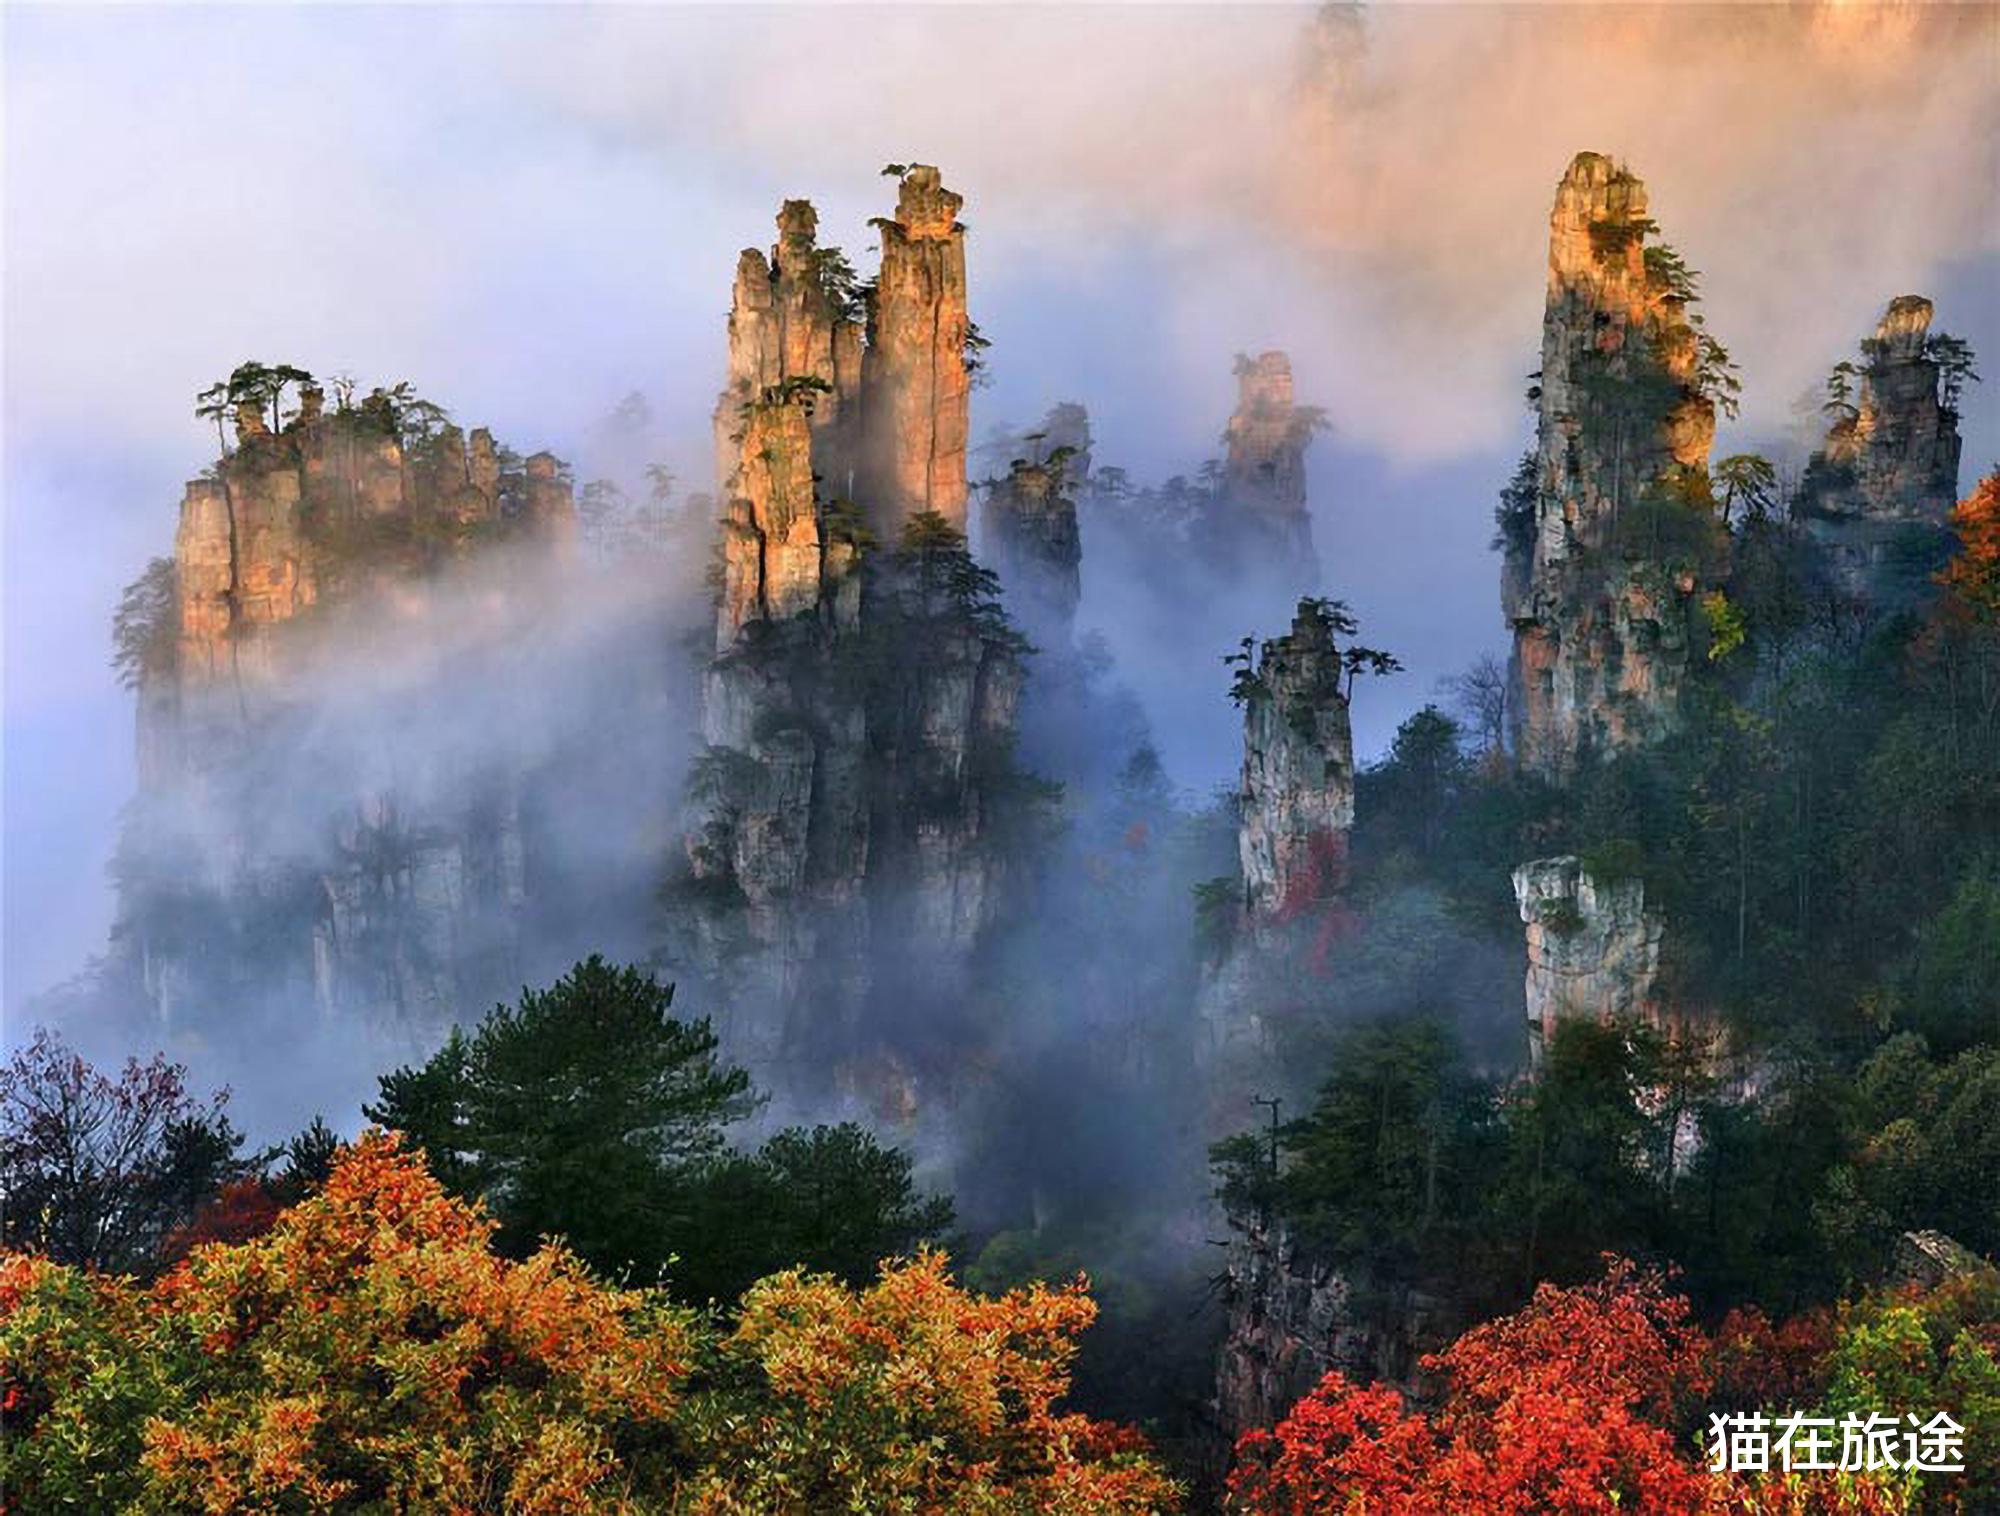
{"x":793,"y":321}
{"x":1878,"y":491}
{"x":1606,"y":558}
{"x":1264,"y":470}
{"x":861,"y":708}
{"x":916,"y":385}
{"x":1298,"y":771}
{"x":1593,"y":945}
{"x":771,"y":540}
{"x":350,"y":515}
{"x":925,"y":209}
{"x":1031,"y":530}
{"x":798,"y":232}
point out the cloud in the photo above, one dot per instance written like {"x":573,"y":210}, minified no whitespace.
{"x":530,"y":211}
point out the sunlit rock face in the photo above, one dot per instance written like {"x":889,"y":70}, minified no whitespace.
{"x":917,"y":388}
{"x":1031,"y":532}
{"x":1298,"y":773}
{"x":858,"y":715}
{"x":1877,"y":493}
{"x":1601,"y":575}
{"x":1593,"y":946}
{"x":1264,"y":469}
{"x":304,"y":572}
{"x":795,"y":315}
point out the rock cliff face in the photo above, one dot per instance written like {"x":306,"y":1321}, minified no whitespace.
{"x":1604,"y":565}
{"x":1264,"y":469}
{"x":1031,"y":532}
{"x":1877,"y":493}
{"x":1291,"y":1321}
{"x":914,"y":368}
{"x":304,"y":548}
{"x":796,"y":315}
{"x":1593,"y":946}
{"x":861,"y":704}
{"x":1295,"y":808}
{"x":1297,"y":793}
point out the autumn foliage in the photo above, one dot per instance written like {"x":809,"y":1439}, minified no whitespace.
{"x":370,"y":1351}
{"x":909,"y":1396}
{"x":1973,"y":575}
{"x":1587,"y":1402}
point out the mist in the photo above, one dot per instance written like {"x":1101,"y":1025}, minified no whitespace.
{"x":531,"y":214}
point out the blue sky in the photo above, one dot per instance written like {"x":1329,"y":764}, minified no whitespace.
{"x":530,"y":212}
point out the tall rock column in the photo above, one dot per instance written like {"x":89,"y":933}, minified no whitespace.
{"x":914,"y":378}
{"x":1298,"y":773}
{"x":1880,"y":488}
{"x":860,"y":711}
{"x":1264,"y":471}
{"x":794,"y":317}
{"x":1604,"y":568}
{"x":399,"y":900}
{"x":1032,"y":532}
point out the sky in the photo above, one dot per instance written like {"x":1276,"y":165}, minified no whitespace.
{"x":530,"y":212}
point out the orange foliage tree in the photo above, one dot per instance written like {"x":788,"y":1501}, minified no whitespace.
{"x":371,"y":1352}
{"x":907,"y":1396}
{"x":1561,"y":1408}
{"x":1973,"y":575}
{"x":1585,"y":1403}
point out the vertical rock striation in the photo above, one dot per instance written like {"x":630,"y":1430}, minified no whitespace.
{"x":305,"y":547}
{"x":1297,"y":793}
{"x":860,"y":708}
{"x":1605,"y":562}
{"x":914,"y":374}
{"x":795,"y":316}
{"x":1593,"y":946}
{"x":1878,"y":492}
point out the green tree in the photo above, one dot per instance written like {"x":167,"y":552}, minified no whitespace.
{"x":1580,"y":1174}
{"x":95,"y":1170}
{"x":1954,"y":359}
{"x":1411,"y":793}
{"x":1383,"y":1170}
{"x":831,"y":1199}
{"x":1746,"y":480}
{"x":584,"y":1111}
{"x":145,"y":625}
{"x":1952,"y":987}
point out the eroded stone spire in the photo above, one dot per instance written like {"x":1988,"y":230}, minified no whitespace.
{"x":1265,"y":468}
{"x":794,"y":317}
{"x":1031,"y":531}
{"x":1889,"y":466}
{"x":1602,"y":572}
{"x":914,"y":373}
{"x":1298,"y":772}
{"x":771,"y":543}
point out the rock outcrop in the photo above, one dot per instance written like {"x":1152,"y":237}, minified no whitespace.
{"x":1264,"y":469}
{"x":914,"y":369}
{"x":860,"y":707}
{"x":1593,"y":946}
{"x":308,"y":553}
{"x":1297,"y":795}
{"x":796,"y":316}
{"x":1295,"y":808}
{"x":1604,"y":566}
{"x":1291,"y":1320}
{"x":1031,"y":533}
{"x":1878,"y":493}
